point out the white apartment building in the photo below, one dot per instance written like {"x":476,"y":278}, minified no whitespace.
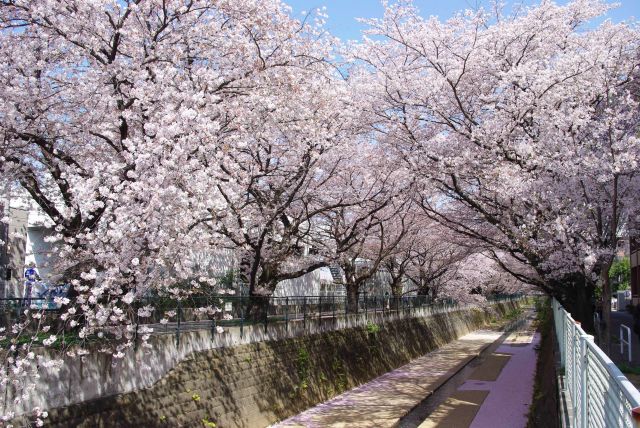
{"x":23,"y":243}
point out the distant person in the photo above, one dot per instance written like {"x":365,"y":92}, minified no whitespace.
{"x":31,"y":276}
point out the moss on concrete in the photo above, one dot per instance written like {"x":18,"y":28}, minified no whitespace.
{"x":258,"y":384}
{"x":543,"y":412}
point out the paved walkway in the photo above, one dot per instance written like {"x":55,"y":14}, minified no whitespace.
{"x":499,"y":391}
{"x":385,"y":400}
{"x":622,"y":358}
{"x":618,"y":318}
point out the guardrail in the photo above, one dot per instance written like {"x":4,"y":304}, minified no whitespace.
{"x":600,"y":394}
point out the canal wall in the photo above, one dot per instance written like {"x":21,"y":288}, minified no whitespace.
{"x":257,"y":384}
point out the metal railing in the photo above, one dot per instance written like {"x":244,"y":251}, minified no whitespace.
{"x":601,"y":396}
{"x":242,"y":312}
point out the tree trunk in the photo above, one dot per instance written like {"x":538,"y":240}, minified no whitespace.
{"x":396,"y":292}
{"x":257,"y":305}
{"x":245,"y":273}
{"x":256,"y":308}
{"x":352,"y":298}
{"x":575,"y":293}
{"x":396,"y":288}
{"x":605,"y":324}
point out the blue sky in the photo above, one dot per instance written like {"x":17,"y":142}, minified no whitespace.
{"x":342,"y":13}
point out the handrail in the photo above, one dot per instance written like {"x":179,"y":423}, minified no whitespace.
{"x":601,"y":395}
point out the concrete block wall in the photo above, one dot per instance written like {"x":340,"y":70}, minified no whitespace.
{"x":13,"y":254}
{"x":98,"y":375}
{"x":255,"y":385}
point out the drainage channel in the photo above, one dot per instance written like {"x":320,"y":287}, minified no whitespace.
{"x":422,"y":411}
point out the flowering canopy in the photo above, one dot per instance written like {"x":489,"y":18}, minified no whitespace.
{"x":528,"y":123}
{"x":485,"y":151}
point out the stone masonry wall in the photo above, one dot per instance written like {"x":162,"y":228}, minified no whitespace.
{"x":258,"y":384}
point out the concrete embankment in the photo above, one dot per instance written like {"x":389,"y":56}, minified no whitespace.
{"x":257,"y":384}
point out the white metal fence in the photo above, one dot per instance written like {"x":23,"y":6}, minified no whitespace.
{"x":600,"y":394}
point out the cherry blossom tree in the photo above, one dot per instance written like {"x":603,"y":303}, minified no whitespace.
{"x":454,"y":153}
{"x":121,"y":118}
{"x":524,"y":123}
{"x":434,"y":258}
{"x":272,"y":185}
{"x":424,"y":254}
{"x":372,"y":220}
{"x":398,"y":263}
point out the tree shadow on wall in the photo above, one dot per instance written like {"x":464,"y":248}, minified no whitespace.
{"x":258,"y":384}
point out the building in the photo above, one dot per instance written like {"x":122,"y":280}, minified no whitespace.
{"x":13,"y":234}
{"x":23,"y":235}
{"x":25,"y":244}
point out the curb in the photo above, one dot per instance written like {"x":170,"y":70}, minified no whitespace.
{"x":447,"y":376}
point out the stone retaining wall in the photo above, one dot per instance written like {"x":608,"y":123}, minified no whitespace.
{"x":258,"y":384}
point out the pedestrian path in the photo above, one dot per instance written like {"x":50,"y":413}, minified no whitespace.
{"x":499,"y":391}
{"x":385,"y":400}
{"x":618,"y":357}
